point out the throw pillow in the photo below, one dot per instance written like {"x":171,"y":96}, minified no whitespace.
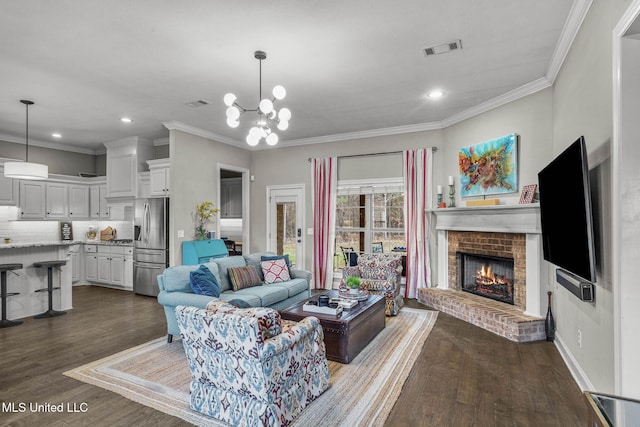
{"x":244,"y":277}
{"x":275,"y":271}
{"x":284,"y":257}
{"x":203,"y":282}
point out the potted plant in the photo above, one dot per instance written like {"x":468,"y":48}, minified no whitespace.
{"x":353,"y":283}
{"x":204,"y":212}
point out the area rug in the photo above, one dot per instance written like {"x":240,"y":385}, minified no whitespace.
{"x":362,"y":393}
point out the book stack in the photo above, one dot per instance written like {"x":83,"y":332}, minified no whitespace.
{"x":345,"y":303}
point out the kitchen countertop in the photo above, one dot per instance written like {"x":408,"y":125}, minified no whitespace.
{"x":16,"y":245}
{"x":108,"y":242}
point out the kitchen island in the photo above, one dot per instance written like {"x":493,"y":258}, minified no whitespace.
{"x":30,"y":278}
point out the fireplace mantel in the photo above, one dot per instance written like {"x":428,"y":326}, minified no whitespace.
{"x":500,"y":218}
{"x":523,"y":219}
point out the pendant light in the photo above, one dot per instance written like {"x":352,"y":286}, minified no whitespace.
{"x":26,"y":170}
{"x":268,"y":117}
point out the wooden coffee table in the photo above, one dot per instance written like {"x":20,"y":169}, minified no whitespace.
{"x":347,"y":334}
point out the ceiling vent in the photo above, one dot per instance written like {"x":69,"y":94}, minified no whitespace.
{"x":443,"y":48}
{"x":196,"y":104}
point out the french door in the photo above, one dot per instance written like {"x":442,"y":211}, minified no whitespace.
{"x":285,"y":216}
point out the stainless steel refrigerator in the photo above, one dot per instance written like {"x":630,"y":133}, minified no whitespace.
{"x":151,"y":244}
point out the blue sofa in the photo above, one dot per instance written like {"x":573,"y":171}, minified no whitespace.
{"x":175,"y":288}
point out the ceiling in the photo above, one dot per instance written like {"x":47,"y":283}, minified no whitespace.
{"x":352,"y":67}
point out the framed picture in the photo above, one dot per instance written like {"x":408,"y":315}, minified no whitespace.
{"x":66,"y":231}
{"x":490,"y":167}
{"x":528,"y":191}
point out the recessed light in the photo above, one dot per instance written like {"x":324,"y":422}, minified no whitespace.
{"x":125,"y":120}
{"x":435,"y":94}
{"x":56,"y":135}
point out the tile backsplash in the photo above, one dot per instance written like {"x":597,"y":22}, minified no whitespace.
{"x":47,"y":231}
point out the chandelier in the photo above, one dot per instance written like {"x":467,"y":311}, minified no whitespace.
{"x":268,"y":116}
{"x":26,"y":170}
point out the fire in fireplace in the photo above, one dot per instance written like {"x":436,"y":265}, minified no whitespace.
{"x":487,"y":276}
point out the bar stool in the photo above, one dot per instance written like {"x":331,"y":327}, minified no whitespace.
{"x":5,"y":323}
{"x":50,"y":265}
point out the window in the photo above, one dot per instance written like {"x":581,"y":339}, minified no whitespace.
{"x":369,"y":218}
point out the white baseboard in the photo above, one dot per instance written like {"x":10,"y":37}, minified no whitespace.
{"x":577,"y":373}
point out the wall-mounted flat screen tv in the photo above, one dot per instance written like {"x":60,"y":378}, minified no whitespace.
{"x":565,"y":212}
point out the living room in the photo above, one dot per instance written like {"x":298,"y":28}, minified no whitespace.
{"x":578,"y":96}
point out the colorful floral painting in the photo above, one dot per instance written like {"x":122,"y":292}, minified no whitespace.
{"x":490,"y":167}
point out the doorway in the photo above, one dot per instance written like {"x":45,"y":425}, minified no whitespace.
{"x":285,"y":217}
{"x":233,"y":202}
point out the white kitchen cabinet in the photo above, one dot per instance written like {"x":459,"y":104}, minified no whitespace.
{"x":98,"y":201}
{"x":117,"y":269}
{"x":76,"y":271}
{"x":125,"y":158}
{"x":32,"y":199}
{"x":78,"y":201}
{"x":231,"y":198}
{"x":121,"y":173}
{"x":112,"y":266}
{"x":54,"y":200}
{"x":91,"y":263}
{"x":159,"y":177}
{"x":57,"y":200}
{"x":144,"y":185}
{"x":128,"y":268}
{"x":9,"y":190}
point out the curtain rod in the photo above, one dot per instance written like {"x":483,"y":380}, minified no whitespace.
{"x":434,"y":149}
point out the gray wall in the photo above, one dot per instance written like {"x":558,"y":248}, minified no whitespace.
{"x":582,"y":105}
{"x":530,"y":117}
{"x":290,"y":165}
{"x":194,"y":180}
{"x":59,"y":162}
{"x":628,"y":297}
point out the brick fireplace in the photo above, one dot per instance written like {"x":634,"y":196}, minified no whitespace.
{"x":509,"y":232}
{"x":503,"y":245}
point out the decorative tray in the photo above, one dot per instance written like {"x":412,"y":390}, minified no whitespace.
{"x":322,"y":310}
{"x":362,"y":294}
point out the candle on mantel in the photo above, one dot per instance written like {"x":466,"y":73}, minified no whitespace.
{"x":450,"y":180}
{"x":439,"y":189}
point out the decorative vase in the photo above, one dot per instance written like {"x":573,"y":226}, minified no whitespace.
{"x":201,"y":233}
{"x":549,"y":323}
{"x":354,"y":291}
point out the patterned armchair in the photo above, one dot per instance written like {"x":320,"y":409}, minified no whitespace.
{"x":380,"y":274}
{"x":250,"y":368}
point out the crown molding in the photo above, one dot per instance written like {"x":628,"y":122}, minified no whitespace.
{"x":577,"y":14}
{"x":372,"y":133}
{"x":47,"y":144}
{"x":522,"y":91}
{"x":175,"y":125}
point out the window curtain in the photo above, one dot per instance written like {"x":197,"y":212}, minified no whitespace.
{"x":417,"y":170}
{"x":324,"y":174}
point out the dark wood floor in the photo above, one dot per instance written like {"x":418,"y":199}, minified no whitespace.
{"x":464,"y":375}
